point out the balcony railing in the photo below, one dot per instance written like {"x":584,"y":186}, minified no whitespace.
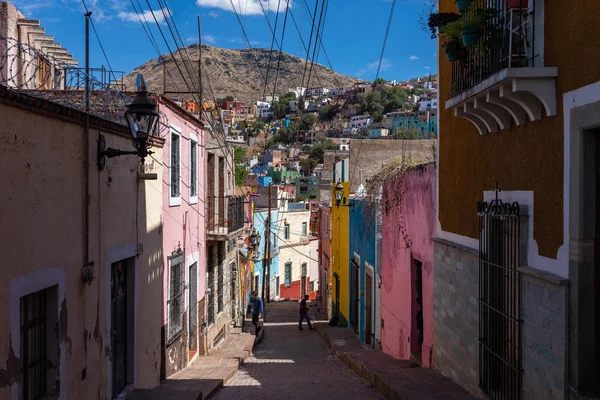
{"x":225,"y":215}
{"x":236,"y":214}
{"x":506,"y":41}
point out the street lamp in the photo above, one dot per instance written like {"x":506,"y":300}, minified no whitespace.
{"x":142,"y":119}
{"x":339,"y":193}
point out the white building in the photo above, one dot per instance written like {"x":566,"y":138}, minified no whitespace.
{"x":263,"y":109}
{"x":428,"y":104}
{"x":300,"y":91}
{"x":317,"y":92}
{"x":270,"y":99}
{"x":360,"y":121}
{"x":337,"y":92}
{"x":293,"y":105}
{"x":295,"y":251}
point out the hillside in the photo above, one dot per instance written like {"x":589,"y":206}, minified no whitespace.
{"x":234,"y":72}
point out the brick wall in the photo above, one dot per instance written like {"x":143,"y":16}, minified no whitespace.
{"x":543,"y":332}
{"x":456,"y":315}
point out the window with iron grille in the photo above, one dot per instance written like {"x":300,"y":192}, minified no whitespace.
{"x":175,"y":302}
{"x":175,"y":167}
{"x":194,"y":169}
{"x":304,"y":270}
{"x":304,"y":229}
{"x":286,"y":231}
{"x":288,"y":274}
{"x":220,"y":286}
{"x":37,"y":344}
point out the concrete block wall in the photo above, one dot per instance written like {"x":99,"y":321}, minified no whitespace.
{"x":456,"y":314}
{"x":543,"y":305}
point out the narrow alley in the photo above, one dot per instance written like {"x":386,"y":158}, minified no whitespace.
{"x":292,"y":364}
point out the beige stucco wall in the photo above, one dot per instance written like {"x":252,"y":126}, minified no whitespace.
{"x":41,"y":226}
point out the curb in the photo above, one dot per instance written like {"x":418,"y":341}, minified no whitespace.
{"x":373,"y":379}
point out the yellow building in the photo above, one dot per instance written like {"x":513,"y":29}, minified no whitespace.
{"x":340,"y":224}
{"x":518,"y":229}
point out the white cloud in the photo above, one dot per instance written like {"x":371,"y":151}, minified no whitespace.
{"x":209,"y":39}
{"x":251,"y":7}
{"x":213,"y":14}
{"x":146,"y":16}
{"x":413,"y":58}
{"x":372,"y":67}
{"x":426,"y":67}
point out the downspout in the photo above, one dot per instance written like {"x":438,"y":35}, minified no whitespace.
{"x":88,"y":270}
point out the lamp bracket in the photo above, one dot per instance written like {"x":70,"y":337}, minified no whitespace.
{"x":110,"y":152}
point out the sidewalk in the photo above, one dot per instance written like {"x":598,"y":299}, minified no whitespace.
{"x":394,"y":379}
{"x":206,"y":375}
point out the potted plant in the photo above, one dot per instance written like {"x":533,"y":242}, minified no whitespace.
{"x":438,"y":21}
{"x":511,"y":4}
{"x":472,"y":24}
{"x":462,"y":5}
{"x":453,"y":48}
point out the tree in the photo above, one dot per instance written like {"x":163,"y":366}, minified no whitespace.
{"x":326,"y":113}
{"x":379,"y":103}
{"x":239,"y":158}
{"x":406,"y":133}
{"x":317,"y":153}
{"x":307,"y":121}
{"x":379,"y":81}
{"x":308,"y":165}
{"x":228,"y":98}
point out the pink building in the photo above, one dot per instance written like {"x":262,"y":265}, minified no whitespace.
{"x":407,"y":265}
{"x":325,"y":257}
{"x":183,"y":235}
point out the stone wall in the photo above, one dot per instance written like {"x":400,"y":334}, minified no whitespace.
{"x":543,"y":303}
{"x":456,"y":314}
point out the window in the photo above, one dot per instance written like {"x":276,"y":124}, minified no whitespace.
{"x":193,"y":170}
{"x":304,"y":232}
{"x":311,"y":286}
{"x":39,"y":343}
{"x":175,"y":199}
{"x":175,"y":302}
{"x":277,"y":286}
{"x":304,"y":270}
{"x":286,"y":231}
{"x":274,"y":242}
{"x":288,"y":274}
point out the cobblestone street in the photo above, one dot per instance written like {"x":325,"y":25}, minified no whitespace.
{"x":291,"y":364}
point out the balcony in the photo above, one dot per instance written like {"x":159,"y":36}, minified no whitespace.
{"x":501,"y":79}
{"x":225,"y":215}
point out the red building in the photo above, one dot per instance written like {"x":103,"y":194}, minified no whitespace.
{"x":238,"y":106}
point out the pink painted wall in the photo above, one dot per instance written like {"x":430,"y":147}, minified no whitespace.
{"x":407,"y":231}
{"x":184,"y":224}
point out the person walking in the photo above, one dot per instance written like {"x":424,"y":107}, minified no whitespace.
{"x":257,"y":308}
{"x":304,"y":314}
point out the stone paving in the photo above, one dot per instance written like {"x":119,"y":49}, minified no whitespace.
{"x":206,"y":375}
{"x":291,"y":364}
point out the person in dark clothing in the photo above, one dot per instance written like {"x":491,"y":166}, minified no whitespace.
{"x":304,"y":314}
{"x":257,"y":308}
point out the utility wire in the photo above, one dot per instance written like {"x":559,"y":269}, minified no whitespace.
{"x":387,"y":31}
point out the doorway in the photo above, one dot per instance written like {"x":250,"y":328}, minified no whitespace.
{"x":303,"y":281}
{"x":354,"y":269}
{"x":337,"y":296}
{"x":193,"y":312}
{"x":122,"y":284}
{"x":416,"y":341}
{"x":368,"y":307}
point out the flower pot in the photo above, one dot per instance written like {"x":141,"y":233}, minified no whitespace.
{"x":510,"y":4}
{"x":453,"y":54}
{"x":462,"y":5}
{"x":470,"y":35}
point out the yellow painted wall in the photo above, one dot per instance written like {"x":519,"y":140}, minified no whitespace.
{"x":528,"y":157}
{"x":340,"y":225}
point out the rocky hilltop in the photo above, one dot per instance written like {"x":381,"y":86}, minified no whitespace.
{"x":233,"y":73}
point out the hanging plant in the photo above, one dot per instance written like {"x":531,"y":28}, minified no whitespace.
{"x":453,"y":48}
{"x":437,"y":22}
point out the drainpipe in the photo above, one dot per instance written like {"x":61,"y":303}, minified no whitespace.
{"x":88,"y":268}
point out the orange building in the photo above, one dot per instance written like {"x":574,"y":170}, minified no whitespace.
{"x":192,"y":107}
{"x":517,"y":287}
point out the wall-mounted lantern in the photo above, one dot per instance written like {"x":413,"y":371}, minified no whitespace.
{"x":339,"y":193}
{"x":142,"y":119}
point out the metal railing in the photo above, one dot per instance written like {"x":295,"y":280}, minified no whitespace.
{"x":236,"y":214}
{"x":506,"y":41}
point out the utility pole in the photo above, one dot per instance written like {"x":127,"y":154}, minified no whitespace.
{"x":269,"y":250}
{"x":200,"y":67}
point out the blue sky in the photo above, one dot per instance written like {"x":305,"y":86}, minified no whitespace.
{"x":353,"y":33}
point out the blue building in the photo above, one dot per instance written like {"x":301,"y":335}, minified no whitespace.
{"x":364,"y":271}
{"x":265,"y":180}
{"x":260,"y":169}
{"x":260,"y":224}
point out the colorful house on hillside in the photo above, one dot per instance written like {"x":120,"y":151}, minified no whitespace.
{"x":364,"y":274}
{"x":408,"y":208}
{"x":340,"y":227}
{"x":260,"y":225}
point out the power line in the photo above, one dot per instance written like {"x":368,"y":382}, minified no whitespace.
{"x":387,"y":31}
